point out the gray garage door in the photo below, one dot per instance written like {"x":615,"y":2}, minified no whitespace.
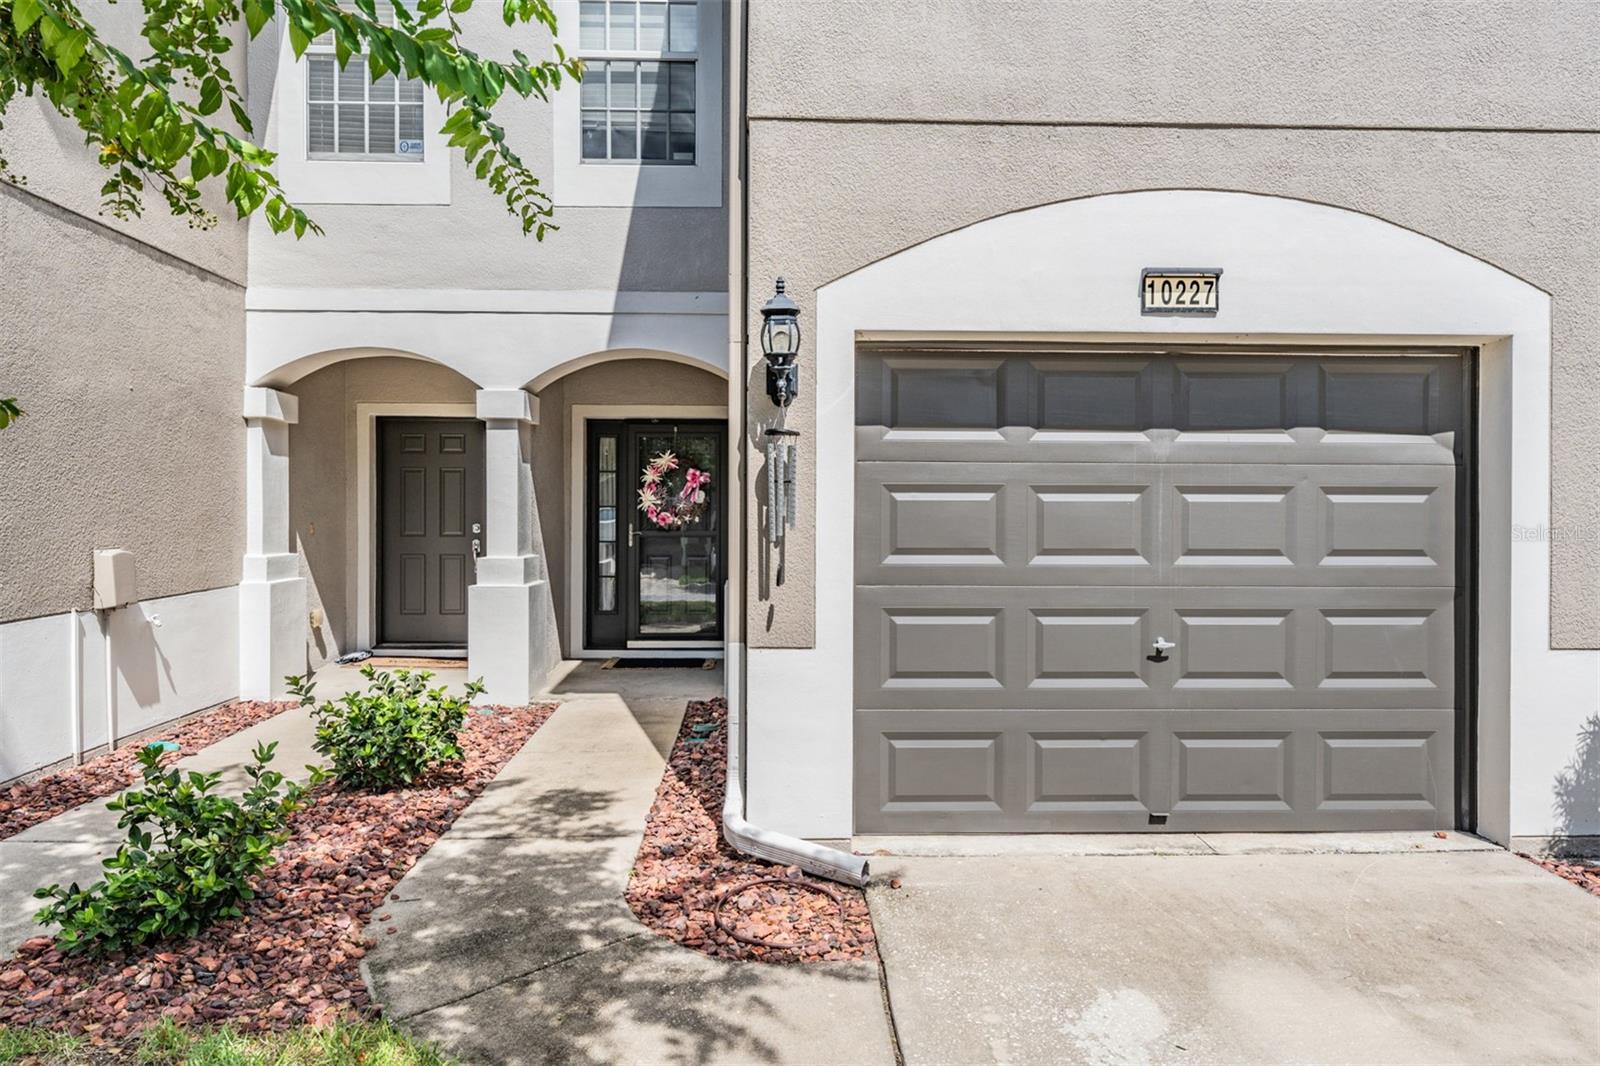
{"x":1032,"y":528}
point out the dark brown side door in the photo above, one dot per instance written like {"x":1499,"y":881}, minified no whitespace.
{"x":430,"y":519}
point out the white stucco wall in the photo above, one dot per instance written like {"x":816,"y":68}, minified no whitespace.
{"x":1296,"y":272}
{"x":171,"y":656}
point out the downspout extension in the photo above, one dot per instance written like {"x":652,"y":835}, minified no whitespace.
{"x":751,"y":839}
{"x":741,"y":834}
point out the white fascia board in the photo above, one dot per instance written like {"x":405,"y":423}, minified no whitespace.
{"x":490,"y":301}
{"x":493,"y":350}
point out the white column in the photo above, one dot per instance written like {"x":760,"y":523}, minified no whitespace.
{"x":272,"y":594}
{"x":510,"y":635}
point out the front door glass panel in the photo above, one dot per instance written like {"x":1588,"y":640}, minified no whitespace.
{"x":677,"y":569}
{"x":647,"y":583}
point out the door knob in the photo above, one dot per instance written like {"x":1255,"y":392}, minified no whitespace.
{"x":1162,"y":645}
{"x":477,"y":547}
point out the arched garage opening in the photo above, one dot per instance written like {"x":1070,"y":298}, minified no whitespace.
{"x":1299,"y":279}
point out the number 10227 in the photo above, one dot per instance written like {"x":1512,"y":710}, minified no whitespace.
{"x":1180,"y":292}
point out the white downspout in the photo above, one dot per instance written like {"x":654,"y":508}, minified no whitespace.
{"x":111,"y":684}
{"x":740,"y":833}
{"x":75,"y":685}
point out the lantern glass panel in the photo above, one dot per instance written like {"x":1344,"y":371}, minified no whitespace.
{"x":783,"y":336}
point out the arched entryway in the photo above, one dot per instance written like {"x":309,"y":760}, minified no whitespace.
{"x":398,"y":505}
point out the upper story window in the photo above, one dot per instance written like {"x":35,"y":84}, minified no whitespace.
{"x":638,"y":95}
{"x":350,"y":116}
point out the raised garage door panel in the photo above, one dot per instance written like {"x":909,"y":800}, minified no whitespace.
{"x":1257,"y":523}
{"x":1027,"y":526}
{"x":1042,"y":647}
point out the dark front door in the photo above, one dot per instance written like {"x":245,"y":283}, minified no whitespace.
{"x":430,"y":507}
{"x":653,"y":582}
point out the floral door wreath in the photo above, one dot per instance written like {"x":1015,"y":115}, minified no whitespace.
{"x":666,"y":507}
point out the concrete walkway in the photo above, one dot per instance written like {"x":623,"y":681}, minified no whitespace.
{"x":514,"y":944}
{"x":70,"y":846}
{"x":1408,"y":952}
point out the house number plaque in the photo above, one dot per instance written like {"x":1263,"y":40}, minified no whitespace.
{"x":1179,"y":291}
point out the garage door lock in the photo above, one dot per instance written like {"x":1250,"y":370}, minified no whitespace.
{"x":1162,"y":645}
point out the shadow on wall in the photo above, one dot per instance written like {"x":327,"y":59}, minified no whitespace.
{"x":324,"y":646}
{"x":137,"y":658}
{"x":1577,"y":787}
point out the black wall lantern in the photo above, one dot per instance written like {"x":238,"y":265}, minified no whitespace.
{"x":780,"y":343}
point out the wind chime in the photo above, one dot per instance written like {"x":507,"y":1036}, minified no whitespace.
{"x":780,"y":344}
{"x":782,"y":452}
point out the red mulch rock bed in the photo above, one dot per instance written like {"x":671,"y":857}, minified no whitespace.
{"x":684,"y":870}
{"x":28,"y":804}
{"x":294,"y":956}
{"x":1583,"y":873}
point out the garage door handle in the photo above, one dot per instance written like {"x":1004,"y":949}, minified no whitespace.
{"x":1162,"y":645}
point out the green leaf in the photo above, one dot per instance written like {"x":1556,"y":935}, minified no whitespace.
{"x":24,"y":14}
{"x":257,"y":13}
{"x":239,"y":115}
{"x":210,"y":96}
{"x":69,"y":50}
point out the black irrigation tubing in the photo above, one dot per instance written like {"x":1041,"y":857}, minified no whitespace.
{"x":810,"y":886}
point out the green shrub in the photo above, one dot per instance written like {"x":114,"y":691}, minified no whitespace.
{"x":392,"y":734}
{"x":188,"y":859}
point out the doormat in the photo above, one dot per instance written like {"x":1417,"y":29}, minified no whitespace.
{"x":659,"y":664}
{"x":408,"y":662}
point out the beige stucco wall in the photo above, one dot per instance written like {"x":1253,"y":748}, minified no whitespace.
{"x":1477,"y":124}
{"x":128,"y":361}
{"x":323,"y":471}
{"x":124,"y":342}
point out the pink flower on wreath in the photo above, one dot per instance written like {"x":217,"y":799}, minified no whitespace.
{"x":691,"y":484}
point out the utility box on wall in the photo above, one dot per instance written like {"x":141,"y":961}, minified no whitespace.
{"x":115,"y":579}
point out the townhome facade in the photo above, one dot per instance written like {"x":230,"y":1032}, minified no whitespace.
{"x":531,"y":375}
{"x":1309,"y":545}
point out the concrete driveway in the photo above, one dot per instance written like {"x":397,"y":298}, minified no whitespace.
{"x":1415,"y":955}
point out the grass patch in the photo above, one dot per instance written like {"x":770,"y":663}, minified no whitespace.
{"x":27,"y":1042}
{"x":339,"y":1044}
{"x":165,"y":1044}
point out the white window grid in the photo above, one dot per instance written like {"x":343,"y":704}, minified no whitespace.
{"x":637,"y":102}
{"x":350,"y":116}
